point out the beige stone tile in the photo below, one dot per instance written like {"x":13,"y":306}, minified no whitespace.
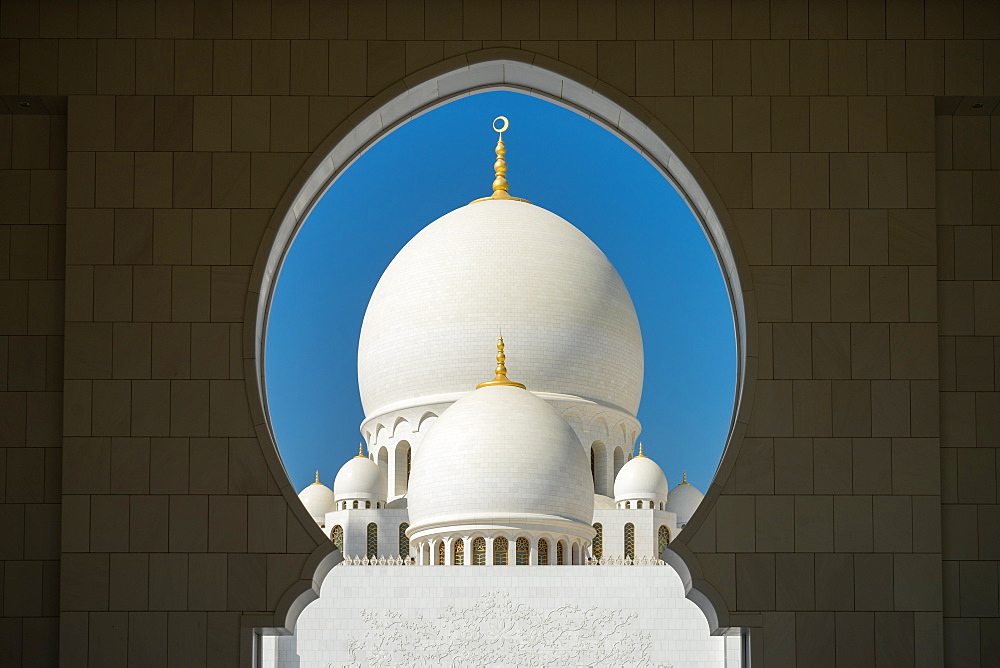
{"x":129,"y":466}
{"x":848,"y":67}
{"x":771,"y":180}
{"x":812,"y":408}
{"x":866,"y":119}
{"x":90,"y":236}
{"x":209,"y":462}
{"x":168,"y":575}
{"x":151,"y":293}
{"x":28,"y":245}
{"x":252,"y":19}
{"x":231,"y":67}
{"x":189,"y":408}
{"x":790,"y":124}
{"x":171,"y":350}
{"x":849,"y":180}
{"x":133,"y":236}
{"x":386,"y":65}
{"x":654,"y":71}
{"x":810,"y":180}
{"x":832,"y":571}
{"x":811,"y":294}
{"x":153,"y":179}
{"x":207,"y":581}
{"x":212,"y":129}
{"x":890,"y":408}
{"x":887,"y":67}
{"x":751,"y":124}
{"x":289,"y":124}
{"x":873,"y":582}
{"x":954,"y":198}
{"x":985,"y":199}
{"x":887,"y":180}
{"x":193,"y":67}
{"x":193,"y":180}
{"x":851,"y":411}
{"x":869,"y":237}
{"x":247,"y":469}
{"x":114,"y":173}
{"x":813,"y":523}
{"x":190,"y":294}
{"x":793,"y":466}
{"x":769,"y":64}
{"x":79,"y":183}
{"x":171,"y":237}
{"x":916,"y":466}
{"x":131,"y":350}
{"x":693,"y":67}
{"x":924,"y":408}
{"x":174,"y":117}
{"x":755,"y":471}
{"x":229,"y":290}
{"x":348,"y":63}
{"x":150,"y":407}
{"x":754,"y":226}
{"x":772,"y":414}
{"x":209,"y":350}
{"x":227,"y":523}
{"x":111,"y":408}
{"x":755,"y":578}
{"x":713,"y":124}
{"x":88,"y":350}
{"x":987,"y":308}
{"x":731,"y":67}
{"x":974,"y":363}
{"x":889,"y":294}
{"x":765,"y":354}
{"x":773,"y":288}
{"x":154,"y":66}
{"x":88,"y":585}
{"x":113,"y":293}
{"x":230,"y":180}
{"x":963,"y":67}
{"x":893,"y":523}
{"x":911,"y":237}
{"x":792,"y":350}
{"x":735,"y":523}
{"x":831,"y":350}
{"x":925,"y":67}
{"x":855,"y":644}
{"x":210,"y":236}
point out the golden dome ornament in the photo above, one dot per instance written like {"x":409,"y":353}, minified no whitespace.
{"x":501,"y":370}
{"x":501,"y":186}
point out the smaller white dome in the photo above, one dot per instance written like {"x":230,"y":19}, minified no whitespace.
{"x":641,"y":478}
{"x":360,"y":478}
{"x":684,"y":500}
{"x":318,"y":500}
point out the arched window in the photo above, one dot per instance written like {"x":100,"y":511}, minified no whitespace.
{"x":409,"y":462}
{"x":337,"y":536}
{"x":663,"y":540}
{"x":500,"y":545}
{"x":627,"y":506}
{"x":400,"y":468}
{"x":638,"y":504}
{"x":404,"y":542}
{"x":440,"y":555}
{"x":619,"y":458}
{"x":543,"y":552}
{"x":593,"y":466}
{"x":559,"y":554}
{"x":458,"y":552}
{"x":598,"y":544}
{"x":368,"y":504}
{"x":630,"y":540}
{"x":372,"y":536}
{"x":521,"y":557}
{"x":479,"y":551}
{"x":355,"y":505}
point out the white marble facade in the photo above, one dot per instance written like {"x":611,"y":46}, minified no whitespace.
{"x":392,"y":616}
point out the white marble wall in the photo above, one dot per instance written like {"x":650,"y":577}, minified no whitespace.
{"x":501,"y":616}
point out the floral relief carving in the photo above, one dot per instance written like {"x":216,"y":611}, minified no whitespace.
{"x":497,"y":631}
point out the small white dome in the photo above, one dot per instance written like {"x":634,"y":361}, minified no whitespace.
{"x":684,"y":500}
{"x":500,"y":456}
{"x":641,"y":478}
{"x":360,"y":478}
{"x":318,"y":500}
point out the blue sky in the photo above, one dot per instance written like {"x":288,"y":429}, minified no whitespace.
{"x":558,"y":160}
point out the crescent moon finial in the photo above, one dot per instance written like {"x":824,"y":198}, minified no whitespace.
{"x":502,"y":129}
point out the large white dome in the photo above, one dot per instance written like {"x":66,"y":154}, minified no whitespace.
{"x":501,"y":456}
{"x":566,"y":316}
{"x":318,"y":500}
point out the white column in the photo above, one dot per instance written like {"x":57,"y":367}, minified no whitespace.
{"x":449,"y":553}
{"x":489,"y":551}
{"x":466,"y":551}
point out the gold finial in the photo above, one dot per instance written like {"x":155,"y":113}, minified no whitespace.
{"x":317,"y":478}
{"x":361,"y":453}
{"x":684,"y":478}
{"x":500,"y":184}
{"x":640,"y":449}
{"x":501,"y":370}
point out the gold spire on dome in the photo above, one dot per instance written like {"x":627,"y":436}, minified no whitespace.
{"x":640,"y":449}
{"x":361,"y":453}
{"x":317,"y":478}
{"x":501,"y":370}
{"x":500,"y":184}
{"x":684,"y":478}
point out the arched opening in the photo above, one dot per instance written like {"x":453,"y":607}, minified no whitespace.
{"x":543,"y":552}
{"x":619,"y":460}
{"x":597,"y":547}
{"x":500,"y":546}
{"x":478,"y":551}
{"x":560,"y":553}
{"x":404,"y":542}
{"x":522,"y":552}
{"x":599,"y":468}
{"x":402,"y":468}
{"x":630,"y":540}
{"x":337,"y":536}
{"x":458,"y":548}
{"x":383,"y":462}
{"x":341,"y":150}
{"x":440,"y":553}
{"x":371,"y":542}
{"x":663,"y":539}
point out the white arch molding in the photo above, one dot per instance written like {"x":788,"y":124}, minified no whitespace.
{"x":469,"y":74}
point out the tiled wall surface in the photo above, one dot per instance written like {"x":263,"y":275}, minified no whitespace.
{"x":968,"y":218}
{"x":187,"y":120}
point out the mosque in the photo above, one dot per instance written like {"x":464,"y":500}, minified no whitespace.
{"x":535,"y":466}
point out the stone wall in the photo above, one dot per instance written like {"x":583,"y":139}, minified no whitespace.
{"x":186,"y":123}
